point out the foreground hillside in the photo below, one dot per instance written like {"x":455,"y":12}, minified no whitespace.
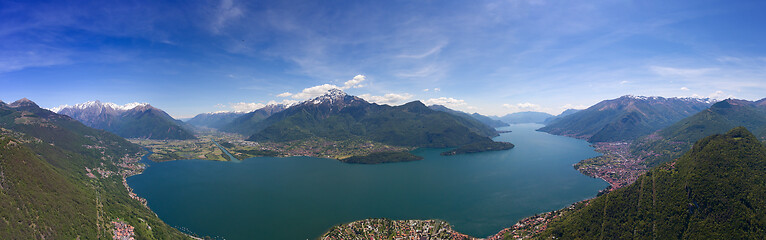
{"x":714,"y":191}
{"x":625,"y":118}
{"x":129,"y":121}
{"x":62,"y":180}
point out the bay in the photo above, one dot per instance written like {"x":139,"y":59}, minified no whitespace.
{"x":302,"y":197}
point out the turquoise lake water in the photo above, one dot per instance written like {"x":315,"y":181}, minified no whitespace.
{"x":302,"y":197}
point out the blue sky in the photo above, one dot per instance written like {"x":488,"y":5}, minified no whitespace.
{"x":491,"y":57}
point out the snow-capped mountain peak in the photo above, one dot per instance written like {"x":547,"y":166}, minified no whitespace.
{"x":332,"y":96}
{"x":99,"y":106}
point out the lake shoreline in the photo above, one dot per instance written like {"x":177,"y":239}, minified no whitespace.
{"x":512,"y":166}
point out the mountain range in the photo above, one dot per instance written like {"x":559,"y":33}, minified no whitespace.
{"x":337,"y":116}
{"x":525,"y":117}
{"x":135,"y":120}
{"x":478,"y":117}
{"x":247,"y":124}
{"x":625,"y":118}
{"x":45,"y":189}
{"x":215,"y":119}
{"x":670,"y":142}
{"x":561,"y":115}
{"x":714,"y":191}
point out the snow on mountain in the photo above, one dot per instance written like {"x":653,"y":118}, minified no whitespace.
{"x":99,"y":106}
{"x":334,"y":97}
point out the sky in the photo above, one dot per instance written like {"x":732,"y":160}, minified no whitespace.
{"x":490,"y":57}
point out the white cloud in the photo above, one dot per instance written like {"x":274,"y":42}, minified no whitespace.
{"x":448,"y":102}
{"x":682,"y":72}
{"x":624,"y":82}
{"x":437,"y":89}
{"x":684,"y":89}
{"x":523,"y":107}
{"x":389,"y":98}
{"x":314,"y":91}
{"x":356,"y":82}
{"x":246,"y":107}
{"x":720,"y":95}
{"x":249,"y":107}
{"x":320,"y":90}
{"x":425,"y":90}
{"x":287,"y":102}
{"x":570,"y":106}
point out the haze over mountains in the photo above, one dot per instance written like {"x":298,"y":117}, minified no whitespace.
{"x":525,"y":117}
{"x":481,"y":118}
{"x":214,"y":119}
{"x":135,"y":120}
{"x":625,"y":118}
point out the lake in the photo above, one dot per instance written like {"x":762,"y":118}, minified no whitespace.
{"x":302,"y":197}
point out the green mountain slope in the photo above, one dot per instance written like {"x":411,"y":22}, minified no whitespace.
{"x":714,"y":191}
{"x":672,"y":141}
{"x":150,"y":122}
{"x":625,"y":118}
{"x":249,"y":123}
{"x":563,"y":114}
{"x":338,"y":116}
{"x":46,"y":192}
{"x":36,"y":200}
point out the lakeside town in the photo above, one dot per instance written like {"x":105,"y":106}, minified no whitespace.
{"x":616,"y":166}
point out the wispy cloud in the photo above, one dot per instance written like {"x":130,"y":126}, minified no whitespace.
{"x":422,"y":72}
{"x":432,"y":51}
{"x":227,"y":10}
{"x":18,"y":60}
{"x":681,"y":72}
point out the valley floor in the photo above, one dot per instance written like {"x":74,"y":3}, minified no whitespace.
{"x":205,"y":149}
